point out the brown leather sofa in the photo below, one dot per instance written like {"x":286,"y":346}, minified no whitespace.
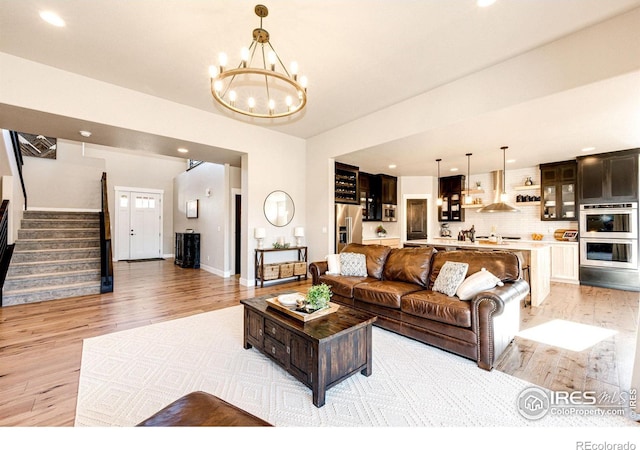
{"x":398,"y":289}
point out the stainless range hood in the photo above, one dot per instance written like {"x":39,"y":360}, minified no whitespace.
{"x":497,"y":181}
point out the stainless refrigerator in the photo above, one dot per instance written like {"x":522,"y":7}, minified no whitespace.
{"x":348,"y":225}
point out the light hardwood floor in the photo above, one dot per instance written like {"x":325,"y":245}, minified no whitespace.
{"x":41,"y":343}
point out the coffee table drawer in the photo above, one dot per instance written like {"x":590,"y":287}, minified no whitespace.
{"x":274,"y":331}
{"x":276,"y":350}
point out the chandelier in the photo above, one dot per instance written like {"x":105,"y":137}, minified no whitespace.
{"x":260,"y":86}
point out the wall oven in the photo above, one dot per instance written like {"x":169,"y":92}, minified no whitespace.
{"x":389,"y":213}
{"x":609,"y":253}
{"x":609,"y":220}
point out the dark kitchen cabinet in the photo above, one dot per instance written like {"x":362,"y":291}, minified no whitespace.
{"x":558,"y":190}
{"x":451,"y":192}
{"x":370,"y":197}
{"x":389,"y":185}
{"x":346,"y":184}
{"x":608,"y":177}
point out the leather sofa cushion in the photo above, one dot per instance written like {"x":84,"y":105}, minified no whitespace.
{"x":376,"y":257}
{"x":504,"y":265}
{"x":342,"y":285}
{"x":410,"y":265}
{"x":384,"y":293}
{"x":439,"y":307}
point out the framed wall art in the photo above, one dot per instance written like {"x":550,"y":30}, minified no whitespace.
{"x":192,"y":209}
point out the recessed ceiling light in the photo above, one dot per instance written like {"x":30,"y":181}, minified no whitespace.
{"x":510,"y":161}
{"x":588,"y":149}
{"x":454,"y":169}
{"x":392,"y":166}
{"x":52,"y":18}
{"x":485,"y":3}
{"x":85,"y":133}
{"x":183,"y":150}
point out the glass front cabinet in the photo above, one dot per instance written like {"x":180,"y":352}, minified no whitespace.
{"x":558,"y":190}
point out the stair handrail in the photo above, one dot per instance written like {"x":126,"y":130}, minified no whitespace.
{"x":6,"y":250}
{"x":106,"y":258}
{"x":19,"y":162}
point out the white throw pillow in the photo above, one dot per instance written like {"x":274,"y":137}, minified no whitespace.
{"x":333,"y":262}
{"x":353,"y":264}
{"x":477,"y":282}
{"x":451,"y":275}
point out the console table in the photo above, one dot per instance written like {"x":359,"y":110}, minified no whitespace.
{"x":259,"y":262}
{"x":187,"y":250}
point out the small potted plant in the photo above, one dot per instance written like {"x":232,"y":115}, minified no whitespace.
{"x":318,"y":297}
{"x":381,"y":231}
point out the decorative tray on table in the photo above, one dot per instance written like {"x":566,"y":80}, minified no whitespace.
{"x":299,"y":312}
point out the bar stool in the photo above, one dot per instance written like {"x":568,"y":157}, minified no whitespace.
{"x":525,"y":274}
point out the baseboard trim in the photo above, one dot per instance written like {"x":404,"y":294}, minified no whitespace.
{"x":213,"y":270}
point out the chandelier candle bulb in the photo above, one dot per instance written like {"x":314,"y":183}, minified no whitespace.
{"x":213,"y":72}
{"x":244,"y":56}
{"x":222,"y":61}
{"x":272,"y":60}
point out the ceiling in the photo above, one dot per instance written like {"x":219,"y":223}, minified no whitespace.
{"x":362,"y":56}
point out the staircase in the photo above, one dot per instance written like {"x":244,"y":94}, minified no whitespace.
{"x":56,"y":255}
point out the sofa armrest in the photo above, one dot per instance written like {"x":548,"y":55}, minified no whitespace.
{"x":495,"y":316}
{"x":501,"y":295}
{"x":318,"y":268}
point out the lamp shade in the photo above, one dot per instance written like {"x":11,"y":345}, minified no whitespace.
{"x":259,"y":233}
{"x":298,"y":232}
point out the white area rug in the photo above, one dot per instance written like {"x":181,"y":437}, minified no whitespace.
{"x":127,"y":376}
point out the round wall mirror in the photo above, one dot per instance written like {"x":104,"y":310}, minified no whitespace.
{"x":279,"y":208}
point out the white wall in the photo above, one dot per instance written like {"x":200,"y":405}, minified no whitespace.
{"x":138,"y":170}
{"x":263,"y":173}
{"x":547,"y":70}
{"x":72,"y":181}
{"x":213,"y":222}
{"x":277,"y":161}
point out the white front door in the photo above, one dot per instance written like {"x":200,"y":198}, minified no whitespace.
{"x":145,"y":226}
{"x":138,"y":225}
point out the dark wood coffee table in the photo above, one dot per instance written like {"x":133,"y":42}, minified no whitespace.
{"x":320,"y":353}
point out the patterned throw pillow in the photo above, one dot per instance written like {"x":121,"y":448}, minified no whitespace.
{"x":450,"y":277}
{"x":477,"y":282}
{"x":353,"y":264}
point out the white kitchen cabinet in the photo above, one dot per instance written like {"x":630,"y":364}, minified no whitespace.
{"x":391,"y":242}
{"x":565,"y":262}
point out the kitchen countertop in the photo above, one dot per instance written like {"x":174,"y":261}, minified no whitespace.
{"x":516,"y":244}
{"x":516,"y":241}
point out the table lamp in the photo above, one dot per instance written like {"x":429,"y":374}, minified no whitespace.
{"x":259,"y":234}
{"x":298,"y":232}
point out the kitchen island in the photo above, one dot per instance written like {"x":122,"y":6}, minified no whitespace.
{"x":537,"y":254}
